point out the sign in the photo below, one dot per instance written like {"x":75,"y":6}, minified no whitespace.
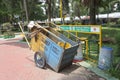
{"x":95,"y":29}
{"x":81,"y":28}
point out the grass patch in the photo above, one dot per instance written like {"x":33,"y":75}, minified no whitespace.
{"x":93,"y":46}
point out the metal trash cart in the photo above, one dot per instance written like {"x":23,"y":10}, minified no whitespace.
{"x":52,"y":48}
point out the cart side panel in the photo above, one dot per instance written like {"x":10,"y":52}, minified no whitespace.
{"x":49,"y":48}
{"x":53,"y":54}
{"x":68,"y":57}
{"x":34,"y":44}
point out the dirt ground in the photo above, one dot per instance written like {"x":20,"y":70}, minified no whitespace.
{"x":17,"y":63}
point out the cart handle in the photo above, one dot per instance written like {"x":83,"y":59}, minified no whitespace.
{"x":24,"y":35}
{"x":36,"y":24}
{"x":31,"y":35}
{"x":78,"y":39}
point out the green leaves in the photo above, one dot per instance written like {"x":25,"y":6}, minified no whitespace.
{"x":10,"y":8}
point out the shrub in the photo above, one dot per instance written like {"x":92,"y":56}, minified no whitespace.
{"x":117,"y":37}
{"x":118,"y":21}
{"x":115,"y":70}
{"x":9,"y":34}
{"x":7,"y":26}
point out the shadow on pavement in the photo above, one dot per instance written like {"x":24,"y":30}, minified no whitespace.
{"x":69,"y":69}
{"x":17,"y":44}
{"x":77,"y":72}
{"x":30,"y":58}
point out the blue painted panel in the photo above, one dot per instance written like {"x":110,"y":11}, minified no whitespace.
{"x":53,"y":53}
{"x":48,"y":44}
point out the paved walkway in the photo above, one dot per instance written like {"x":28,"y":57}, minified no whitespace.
{"x":16,"y":63}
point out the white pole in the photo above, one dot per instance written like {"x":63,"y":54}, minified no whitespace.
{"x":24,"y":35}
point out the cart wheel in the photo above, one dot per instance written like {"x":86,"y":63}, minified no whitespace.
{"x":39,"y":60}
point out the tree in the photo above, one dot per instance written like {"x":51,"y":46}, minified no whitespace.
{"x":54,"y":9}
{"x":9,"y":9}
{"x":94,"y":6}
{"x":35,"y":11}
{"x":26,"y":10}
{"x":92,"y":11}
{"x":49,"y":10}
{"x":14,"y":10}
{"x":115,"y":5}
{"x":65,"y":4}
{"x":107,"y":6}
{"x":79,"y":9}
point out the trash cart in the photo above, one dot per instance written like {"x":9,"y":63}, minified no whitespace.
{"x":52,"y":48}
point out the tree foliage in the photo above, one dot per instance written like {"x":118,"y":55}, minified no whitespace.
{"x":35,"y":12}
{"x":95,"y":6}
{"x":12,"y":10}
{"x":79,"y":9}
{"x":65,"y":6}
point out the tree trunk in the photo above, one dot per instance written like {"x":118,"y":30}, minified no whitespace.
{"x":49,"y":10}
{"x":26,"y":10}
{"x":93,"y":12}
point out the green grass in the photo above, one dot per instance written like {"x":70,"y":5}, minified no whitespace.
{"x":112,"y":71}
{"x":110,"y":33}
{"x":107,"y":32}
{"x":1,"y":36}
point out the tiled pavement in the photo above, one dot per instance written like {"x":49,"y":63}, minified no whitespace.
{"x":16,"y":63}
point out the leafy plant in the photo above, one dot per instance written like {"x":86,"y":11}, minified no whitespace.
{"x":9,"y":34}
{"x":7,"y":26}
{"x":117,"y":37}
{"x":118,"y":21}
{"x":115,"y":70}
